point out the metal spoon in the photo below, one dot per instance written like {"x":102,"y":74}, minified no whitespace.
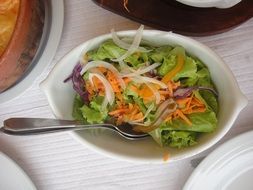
{"x":33,"y":126}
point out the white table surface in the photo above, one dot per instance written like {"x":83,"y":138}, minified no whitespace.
{"x":57,"y":161}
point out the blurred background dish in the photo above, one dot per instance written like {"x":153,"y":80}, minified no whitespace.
{"x":22,"y":63}
{"x":171,"y":15}
{"x":211,"y":3}
{"x":21,"y":31}
{"x":229,"y":167}
{"x":8,"y":15}
{"x":12,"y":177}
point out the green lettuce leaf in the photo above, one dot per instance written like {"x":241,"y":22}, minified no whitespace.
{"x":172,"y":138}
{"x":201,"y":122}
{"x":167,"y":65}
{"x":189,"y":70}
{"x":76,"y":113}
{"x":204,"y":78}
{"x":179,"y":134}
{"x":106,"y":51}
{"x":92,"y":116}
{"x":170,"y":60}
{"x":209,"y":99}
{"x":109,"y":50}
{"x":178,"y":139}
{"x":137,"y":60}
{"x":128,"y":94}
{"x":96,"y":103}
{"x":159,"y":54}
{"x":141,"y":105}
{"x":91,"y":113}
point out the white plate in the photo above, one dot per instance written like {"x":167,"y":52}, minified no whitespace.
{"x":229,"y":167}
{"x":223,"y":4}
{"x":12,"y":177}
{"x":54,"y":18}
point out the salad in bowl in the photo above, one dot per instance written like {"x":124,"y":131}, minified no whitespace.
{"x":164,"y":84}
{"x":160,"y":90}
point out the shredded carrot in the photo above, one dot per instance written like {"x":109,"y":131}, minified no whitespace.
{"x":168,"y":118}
{"x":119,"y":111}
{"x":162,"y":92}
{"x":166,"y":156}
{"x":134,"y":88}
{"x":127,"y":80}
{"x":113,"y":81}
{"x":182,"y":102}
{"x":189,"y":103}
{"x":138,"y":116}
{"x":182,"y":116}
{"x":131,"y":115}
{"x":119,"y":96}
{"x":199,"y":110}
{"x":175,"y":85}
{"x":102,"y":69}
{"x":130,"y":106}
{"x":119,"y":103}
{"x":197,"y":101}
{"x":170,"y":88}
{"x":119,"y":120}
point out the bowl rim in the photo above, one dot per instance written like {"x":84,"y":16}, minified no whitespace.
{"x":242,"y":99}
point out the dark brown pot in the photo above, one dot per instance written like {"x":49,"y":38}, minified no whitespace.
{"x":23,"y":44}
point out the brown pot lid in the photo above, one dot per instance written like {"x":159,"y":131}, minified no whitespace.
{"x":173,"y":16}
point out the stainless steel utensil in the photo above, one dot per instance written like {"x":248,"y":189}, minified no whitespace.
{"x":33,"y":126}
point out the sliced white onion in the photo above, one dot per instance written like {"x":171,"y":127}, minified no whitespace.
{"x":164,"y":113}
{"x":104,"y":104}
{"x":148,"y":79}
{"x":134,"y":46}
{"x":123,"y":44}
{"x":163,"y":110}
{"x":139,"y":124}
{"x":163,"y":106}
{"x":122,"y":64}
{"x":83,"y":59}
{"x":94,"y":64}
{"x":142,"y":71}
{"x":109,"y":94}
{"x":129,"y":40}
{"x":154,"y":91}
{"x":97,"y":71}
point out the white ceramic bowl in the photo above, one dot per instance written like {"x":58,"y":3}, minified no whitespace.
{"x":231,"y":101}
{"x":210,"y":3}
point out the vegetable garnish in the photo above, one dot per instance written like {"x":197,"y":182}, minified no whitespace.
{"x":174,"y":71}
{"x":162,"y":91}
{"x":125,"y":5}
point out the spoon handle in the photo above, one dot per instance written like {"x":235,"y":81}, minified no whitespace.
{"x":31,"y":126}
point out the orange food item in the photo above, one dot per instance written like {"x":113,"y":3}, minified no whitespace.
{"x":173,"y":72}
{"x":21,"y":27}
{"x":8,"y":16}
{"x":166,"y":156}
